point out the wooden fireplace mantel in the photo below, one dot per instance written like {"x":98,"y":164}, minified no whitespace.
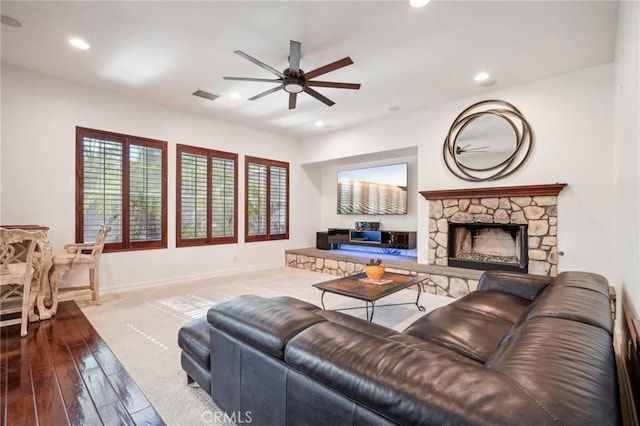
{"x":499,"y":191}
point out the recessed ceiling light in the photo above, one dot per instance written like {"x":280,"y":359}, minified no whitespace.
{"x":79,"y":43}
{"x":319,"y":123}
{"x":481,"y":76}
{"x":10,"y":22}
{"x":418,"y":3}
{"x":235,"y":95}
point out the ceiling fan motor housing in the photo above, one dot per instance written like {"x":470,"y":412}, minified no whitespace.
{"x":293,"y":81}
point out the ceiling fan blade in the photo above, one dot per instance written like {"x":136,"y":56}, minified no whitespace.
{"x":333,"y":84}
{"x":263,"y":80}
{"x":318,"y":96}
{"x":294,"y":56}
{"x":328,"y":68}
{"x":268,"y":92}
{"x":259,"y":63}
{"x":292,"y":100}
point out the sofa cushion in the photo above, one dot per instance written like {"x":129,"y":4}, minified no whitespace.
{"x":493,"y":303}
{"x":193,"y":338}
{"x":575,"y":304}
{"x":374,"y":329}
{"x":264,"y":323}
{"x":567,"y":366}
{"x":196,"y":372}
{"x":471,"y":333}
{"x":527,"y":286}
{"x":296,"y":303}
{"x":406,"y":385}
{"x":358,"y":323}
{"x":585,"y":280}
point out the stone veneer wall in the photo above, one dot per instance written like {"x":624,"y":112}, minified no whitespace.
{"x":439,"y":282}
{"x":539,"y":212}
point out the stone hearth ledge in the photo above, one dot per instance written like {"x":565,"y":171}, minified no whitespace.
{"x":440,"y":280}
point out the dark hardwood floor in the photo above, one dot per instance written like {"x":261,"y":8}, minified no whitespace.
{"x":63,"y":373}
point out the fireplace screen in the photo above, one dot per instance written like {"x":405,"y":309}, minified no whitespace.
{"x":488,"y":246}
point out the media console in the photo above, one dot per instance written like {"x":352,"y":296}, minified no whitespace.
{"x":386,"y":239}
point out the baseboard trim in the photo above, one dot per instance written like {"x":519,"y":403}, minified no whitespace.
{"x":184,"y":279}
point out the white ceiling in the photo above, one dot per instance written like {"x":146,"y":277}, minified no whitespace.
{"x":403,"y":57}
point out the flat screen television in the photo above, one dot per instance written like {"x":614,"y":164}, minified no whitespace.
{"x":373,"y":190}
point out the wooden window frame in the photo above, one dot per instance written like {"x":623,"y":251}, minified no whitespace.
{"x":126,"y":141}
{"x":210,"y":154}
{"x":268,"y":164}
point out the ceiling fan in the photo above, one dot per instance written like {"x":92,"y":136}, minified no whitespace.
{"x":293,"y":80}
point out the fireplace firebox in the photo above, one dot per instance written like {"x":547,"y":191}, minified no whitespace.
{"x":488,"y":246}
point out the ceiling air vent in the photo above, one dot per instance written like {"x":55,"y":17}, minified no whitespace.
{"x":206,"y":95}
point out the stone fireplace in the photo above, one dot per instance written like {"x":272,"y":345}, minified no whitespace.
{"x":488,"y":246}
{"x":508,"y":228}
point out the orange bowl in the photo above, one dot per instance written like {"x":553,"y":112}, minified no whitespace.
{"x":374,"y":272}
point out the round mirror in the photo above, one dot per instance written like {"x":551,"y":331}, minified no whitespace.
{"x":487,"y":141}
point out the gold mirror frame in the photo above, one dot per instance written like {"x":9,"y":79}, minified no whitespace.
{"x":521,"y":131}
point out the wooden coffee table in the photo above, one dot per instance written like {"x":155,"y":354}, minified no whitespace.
{"x":357,"y":287}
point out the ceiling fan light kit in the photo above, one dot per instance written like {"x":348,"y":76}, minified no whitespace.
{"x":292,"y":85}
{"x":293,"y":80}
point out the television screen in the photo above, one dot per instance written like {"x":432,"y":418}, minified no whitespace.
{"x":373,"y":190}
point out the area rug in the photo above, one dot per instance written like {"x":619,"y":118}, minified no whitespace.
{"x":141,"y":328}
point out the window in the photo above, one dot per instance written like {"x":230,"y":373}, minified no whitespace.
{"x":206,"y":196}
{"x":266,"y":200}
{"x":122,"y":182}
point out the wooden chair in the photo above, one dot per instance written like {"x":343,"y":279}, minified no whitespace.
{"x":17,"y":248}
{"x":75,"y":258}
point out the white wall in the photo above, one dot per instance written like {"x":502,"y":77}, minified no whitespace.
{"x":627,"y":150}
{"x":39,"y":117}
{"x":571,"y":117}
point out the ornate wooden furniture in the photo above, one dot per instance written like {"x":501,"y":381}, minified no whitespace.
{"x":16,"y":274}
{"x":42,"y":263}
{"x":77,"y":258}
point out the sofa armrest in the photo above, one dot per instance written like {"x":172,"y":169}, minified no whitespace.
{"x":519,"y":284}
{"x":263,"y":323}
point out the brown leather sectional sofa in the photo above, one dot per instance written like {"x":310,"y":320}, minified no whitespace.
{"x":521,"y":350}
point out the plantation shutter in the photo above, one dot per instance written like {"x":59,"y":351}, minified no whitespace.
{"x":193,"y":207}
{"x":207,"y":192}
{"x":257,"y":199}
{"x":278,"y":208}
{"x":267,"y":200}
{"x":223,"y":196}
{"x":121,"y":182}
{"x":145,"y":193}
{"x":102,"y":188}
